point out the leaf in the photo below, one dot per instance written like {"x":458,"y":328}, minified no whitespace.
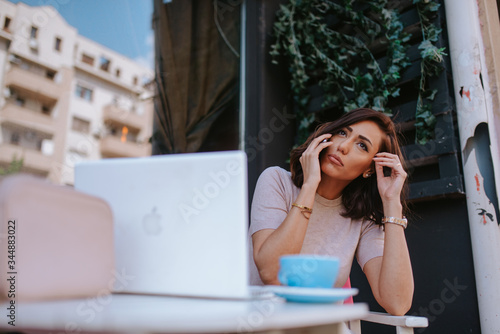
{"x":432,"y":95}
{"x":395,"y":93}
{"x":378,"y":103}
{"x":342,"y":64}
{"x":362,"y":100}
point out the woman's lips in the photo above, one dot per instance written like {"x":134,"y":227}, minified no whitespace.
{"x":336,"y":160}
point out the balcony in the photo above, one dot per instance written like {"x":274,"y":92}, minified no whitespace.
{"x":33,"y":160}
{"x":115,"y":114}
{"x":45,"y":89}
{"x":6,"y":34}
{"x":112,"y":146}
{"x":106,"y":76}
{"x":27,"y":118}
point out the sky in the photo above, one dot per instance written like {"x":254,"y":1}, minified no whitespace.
{"x":123,"y":26}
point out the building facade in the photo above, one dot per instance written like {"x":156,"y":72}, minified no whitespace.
{"x":65,"y":98}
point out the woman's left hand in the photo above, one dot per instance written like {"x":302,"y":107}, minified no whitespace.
{"x":389,"y":187}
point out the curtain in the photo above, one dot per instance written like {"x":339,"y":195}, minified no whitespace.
{"x":196,"y":70}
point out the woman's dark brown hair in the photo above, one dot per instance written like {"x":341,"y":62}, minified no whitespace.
{"x":361,"y":198}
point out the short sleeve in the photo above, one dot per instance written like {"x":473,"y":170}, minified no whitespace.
{"x":271,"y":200}
{"x":371,"y":243}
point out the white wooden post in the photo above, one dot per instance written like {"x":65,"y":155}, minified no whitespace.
{"x":472,"y":96}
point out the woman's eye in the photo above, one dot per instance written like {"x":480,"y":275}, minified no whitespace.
{"x":363,"y":146}
{"x":342,"y":132}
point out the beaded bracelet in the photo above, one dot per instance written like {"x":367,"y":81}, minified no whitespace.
{"x":304,"y":210}
{"x":398,"y":221}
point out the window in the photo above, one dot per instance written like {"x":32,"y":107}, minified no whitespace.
{"x":39,"y":143}
{"x":123,"y":137}
{"x":80,"y":125}
{"x":84,"y":93}
{"x":34,"y":32}
{"x":87,"y":59}
{"x":135,"y":80}
{"x":117,"y":72}
{"x":45,"y":110}
{"x":6,"y":23}
{"x":104,"y":64}
{"x":57,"y":44}
{"x":20,"y":101}
{"x":15,"y":138}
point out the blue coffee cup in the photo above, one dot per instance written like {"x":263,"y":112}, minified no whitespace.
{"x":308,"y":271}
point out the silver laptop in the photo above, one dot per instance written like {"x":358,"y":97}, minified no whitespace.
{"x":180,"y":221}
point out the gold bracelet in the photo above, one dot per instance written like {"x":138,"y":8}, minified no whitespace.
{"x":398,"y":221}
{"x":306,"y":212}
{"x":305,"y":208}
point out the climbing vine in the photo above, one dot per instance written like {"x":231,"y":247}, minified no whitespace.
{"x":431,"y":65}
{"x":341,"y":60}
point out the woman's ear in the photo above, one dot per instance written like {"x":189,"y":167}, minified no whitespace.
{"x":370,"y":171}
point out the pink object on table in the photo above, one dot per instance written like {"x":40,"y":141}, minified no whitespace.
{"x":348,"y":286}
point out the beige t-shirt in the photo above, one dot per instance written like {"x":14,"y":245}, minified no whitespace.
{"x":328,"y":233}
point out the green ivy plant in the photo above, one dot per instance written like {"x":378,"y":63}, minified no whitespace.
{"x":340,"y":61}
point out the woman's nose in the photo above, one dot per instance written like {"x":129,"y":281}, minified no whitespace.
{"x":343,"y":146}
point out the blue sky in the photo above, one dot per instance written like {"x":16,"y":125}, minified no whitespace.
{"x":121,"y":25}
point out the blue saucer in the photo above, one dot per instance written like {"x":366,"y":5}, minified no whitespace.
{"x":313,"y":295}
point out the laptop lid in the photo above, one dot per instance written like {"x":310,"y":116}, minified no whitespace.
{"x":180,"y":220}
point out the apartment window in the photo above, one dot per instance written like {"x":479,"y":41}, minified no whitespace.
{"x":39,"y":143}
{"x":34,"y":32}
{"x":84,"y":93}
{"x":87,"y":59}
{"x":57,"y":44}
{"x":6,"y":23}
{"x":80,"y":125}
{"x":135,"y":80}
{"x":104,"y":64}
{"x":15,"y":138}
{"x":117,"y":72}
{"x":20,"y":101}
{"x":46,"y":110}
{"x":50,"y":74}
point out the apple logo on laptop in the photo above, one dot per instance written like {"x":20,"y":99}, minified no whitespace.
{"x":152,"y":222}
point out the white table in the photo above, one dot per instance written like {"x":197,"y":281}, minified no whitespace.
{"x":160,"y":314}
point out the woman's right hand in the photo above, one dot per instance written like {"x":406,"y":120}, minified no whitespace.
{"x":309,"y":160}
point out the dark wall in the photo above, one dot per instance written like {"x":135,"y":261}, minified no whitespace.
{"x":269,"y":120}
{"x":445,"y":289}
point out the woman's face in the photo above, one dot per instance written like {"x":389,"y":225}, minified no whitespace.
{"x":352,"y":151}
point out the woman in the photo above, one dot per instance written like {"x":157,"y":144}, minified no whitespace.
{"x":338,"y":201}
